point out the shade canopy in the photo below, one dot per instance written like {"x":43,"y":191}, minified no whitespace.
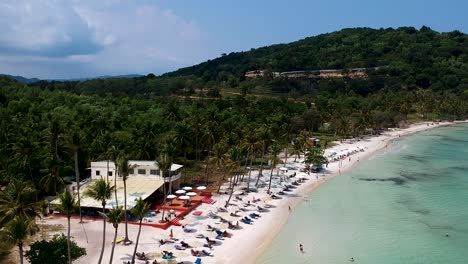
{"x":137,"y":187}
{"x":171,"y":196}
{"x":238,"y":192}
{"x":191,"y":194}
{"x":184,"y":197}
{"x":201,"y":188}
{"x":187,"y":188}
{"x":180,"y":191}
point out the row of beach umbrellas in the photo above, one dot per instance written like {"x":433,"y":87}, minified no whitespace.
{"x":185,"y":193}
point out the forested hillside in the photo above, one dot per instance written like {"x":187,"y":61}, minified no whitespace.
{"x":408,"y":59}
{"x":413,"y":58}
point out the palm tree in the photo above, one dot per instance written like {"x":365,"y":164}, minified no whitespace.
{"x":275,"y":150}
{"x":23,"y":150}
{"x":52,"y":179}
{"x":124,"y":169}
{"x":183,"y":140}
{"x":263,"y":133}
{"x":251,"y":145}
{"x":115,"y":217}
{"x":101,"y":190}
{"x":234,"y":155}
{"x":171,"y":151}
{"x":18,"y":199}
{"x":75,"y":146}
{"x":164,"y":164}
{"x":139,"y":211}
{"x":17,"y":230}
{"x":67,"y":206}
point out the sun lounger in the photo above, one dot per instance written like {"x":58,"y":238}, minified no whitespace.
{"x":253,"y":215}
{"x":197,"y":261}
{"x":206,"y":253}
{"x":222,"y":210}
{"x":179,"y":247}
{"x":212,"y":215}
{"x":246,"y":221}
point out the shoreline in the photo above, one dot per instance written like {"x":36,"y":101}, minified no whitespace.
{"x":376,"y":144}
{"x":251,"y":241}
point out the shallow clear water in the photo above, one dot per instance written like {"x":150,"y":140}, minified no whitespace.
{"x":396,"y":207}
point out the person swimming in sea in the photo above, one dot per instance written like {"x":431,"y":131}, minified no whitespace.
{"x":351,"y":259}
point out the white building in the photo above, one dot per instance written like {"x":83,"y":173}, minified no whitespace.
{"x":144,"y":180}
{"x":144,"y":168}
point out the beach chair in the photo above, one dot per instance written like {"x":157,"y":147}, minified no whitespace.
{"x":245,"y":221}
{"x":212,"y":215}
{"x":197,"y":261}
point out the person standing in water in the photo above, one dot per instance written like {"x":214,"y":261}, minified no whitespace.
{"x":301,"y":248}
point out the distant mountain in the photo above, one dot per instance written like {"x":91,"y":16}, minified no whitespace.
{"x":21,"y":79}
{"x":412,"y":58}
{"x":100,"y":77}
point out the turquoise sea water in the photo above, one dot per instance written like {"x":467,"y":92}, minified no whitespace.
{"x":396,"y":207}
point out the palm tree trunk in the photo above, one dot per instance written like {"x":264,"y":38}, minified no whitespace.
{"x":250,"y":173}
{"x":136,"y":243}
{"x":107,"y":172}
{"x":103,"y":231}
{"x":230,"y":195}
{"x":77,"y":175}
{"x":113,"y":246}
{"x":271,"y":176}
{"x":125,"y":208}
{"x":115,"y":189}
{"x":20,"y":247}
{"x":164,"y":199}
{"x":286,"y":156}
{"x":206,"y":173}
{"x":68,"y":242}
{"x":221,"y":181}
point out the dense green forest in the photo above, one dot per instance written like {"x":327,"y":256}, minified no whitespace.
{"x":213,"y":120}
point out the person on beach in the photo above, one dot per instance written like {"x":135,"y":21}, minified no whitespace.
{"x":289,"y":208}
{"x":301,"y":248}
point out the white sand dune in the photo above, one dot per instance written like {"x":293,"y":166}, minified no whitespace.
{"x":249,"y":241}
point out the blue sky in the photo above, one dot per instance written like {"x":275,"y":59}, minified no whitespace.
{"x":86,"y":38}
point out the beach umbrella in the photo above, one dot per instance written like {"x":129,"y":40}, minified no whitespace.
{"x":201,"y":188}
{"x":187,"y":188}
{"x":180,"y":192}
{"x":184,"y":197}
{"x":191,"y":194}
{"x":171,"y":196}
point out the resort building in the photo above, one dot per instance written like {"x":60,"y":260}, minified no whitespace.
{"x":144,"y":180}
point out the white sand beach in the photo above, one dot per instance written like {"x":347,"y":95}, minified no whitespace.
{"x":250,"y":240}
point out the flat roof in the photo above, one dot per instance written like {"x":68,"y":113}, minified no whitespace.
{"x":137,"y":186}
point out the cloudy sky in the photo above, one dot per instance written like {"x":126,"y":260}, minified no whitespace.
{"x":86,"y":38}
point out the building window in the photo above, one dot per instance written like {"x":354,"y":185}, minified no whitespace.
{"x":154,"y":172}
{"x":98,"y":173}
{"x":131,"y":171}
{"x":109,"y":173}
{"x":140,"y":171}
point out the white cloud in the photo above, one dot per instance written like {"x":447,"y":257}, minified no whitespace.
{"x":100,"y":37}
